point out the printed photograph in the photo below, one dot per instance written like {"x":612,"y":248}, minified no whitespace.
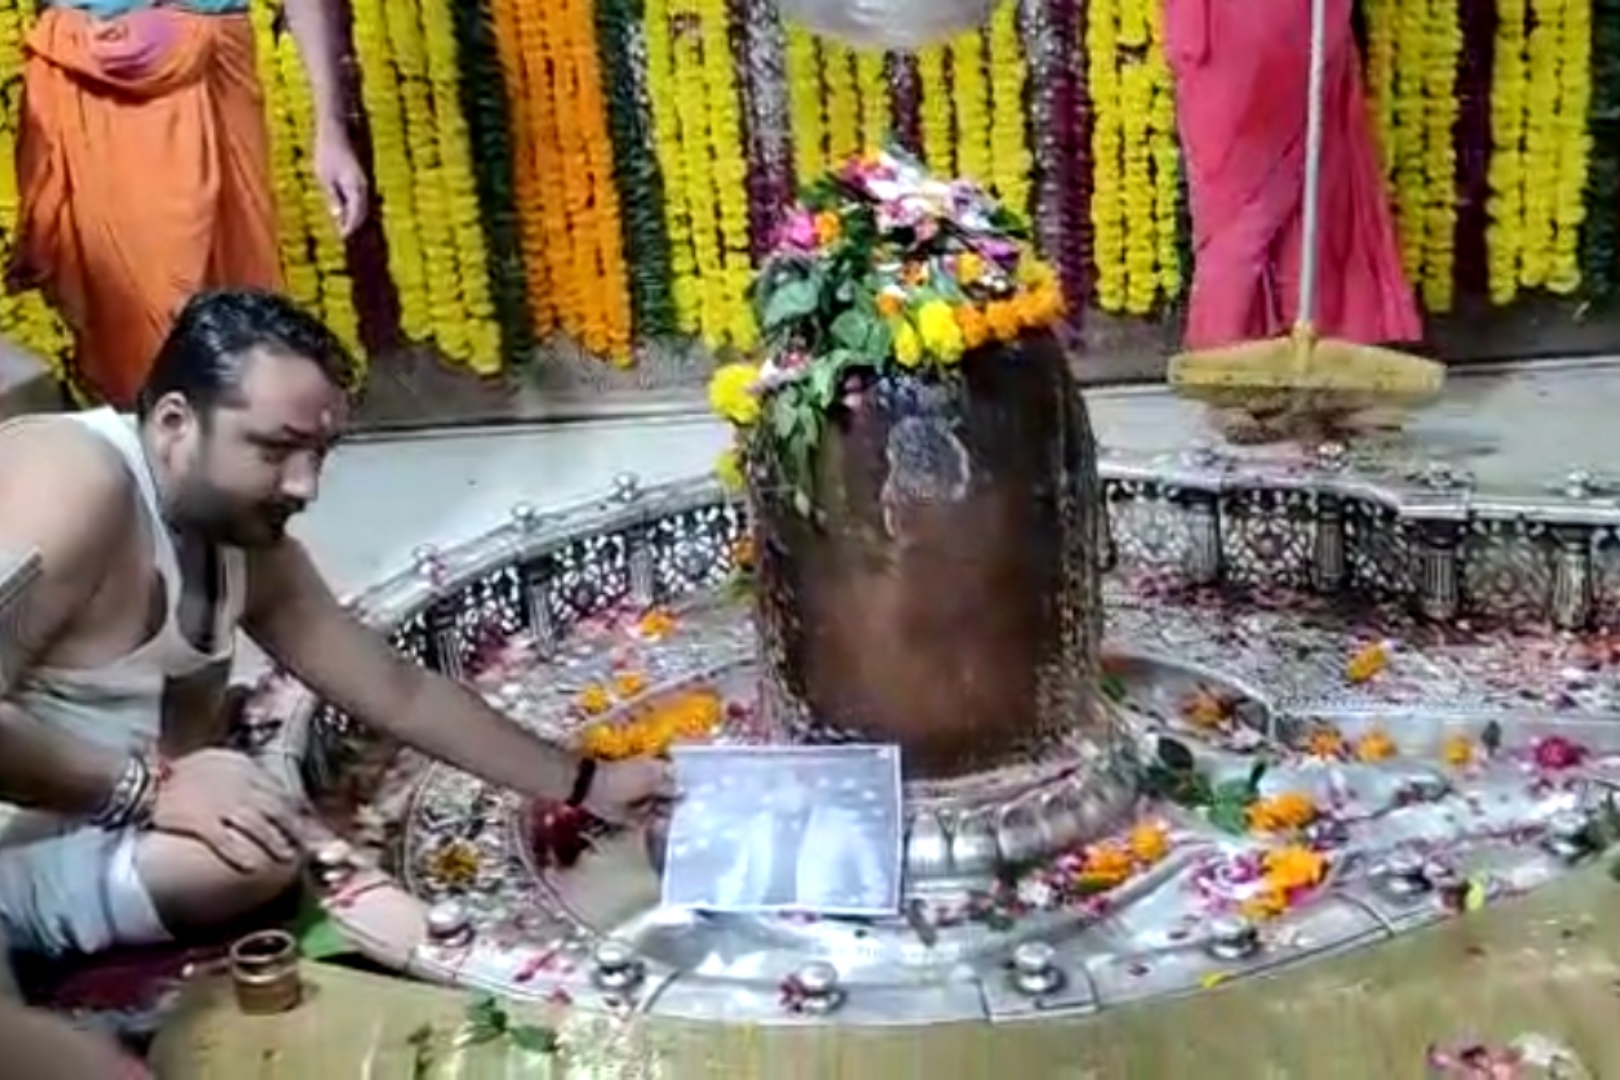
{"x":813,"y":829}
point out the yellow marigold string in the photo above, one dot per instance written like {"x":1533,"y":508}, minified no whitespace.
{"x":1107,"y":145}
{"x":1010,"y":160}
{"x":873,"y":86}
{"x":1141,"y":237}
{"x":1165,"y":157}
{"x":668,"y":139}
{"x":843,"y":102}
{"x":26,"y":318}
{"x":409,"y":55}
{"x":292,"y":230}
{"x":1444,"y":49}
{"x":1410,"y":133}
{"x":391,"y":165}
{"x":1383,"y":29}
{"x":939,"y":150}
{"x":703,"y":229}
{"x":1574,"y":146}
{"x":479,"y":333}
{"x":730,"y":159}
{"x":805,"y":102}
{"x":971,"y":98}
{"x":1504,"y":235}
{"x":1545,"y":46}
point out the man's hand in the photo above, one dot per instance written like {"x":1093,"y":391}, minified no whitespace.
{"x":224,"y":800}
{"x":342,"y":180}
{"x":630,"y":792}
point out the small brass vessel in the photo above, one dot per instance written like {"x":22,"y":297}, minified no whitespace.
{"x":264,"y":972}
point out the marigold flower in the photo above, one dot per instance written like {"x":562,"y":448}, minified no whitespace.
{"x":732,"y":396}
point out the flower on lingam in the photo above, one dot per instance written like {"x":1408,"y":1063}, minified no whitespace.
{"x":1286,"y":874}
{"x":1206,"y":709}
{"x":733,"y":393}
{"x":685,"y":717}
{"x":1457,"y":750}
{"x":1110,"y":864}
{"x":1367,"y":662}
{"x":655,"y":625}
{"x":1555,"y":753}
{"x":1287,"y":811}
{"x":1375,"y":745}
{"x":1325,"y":741}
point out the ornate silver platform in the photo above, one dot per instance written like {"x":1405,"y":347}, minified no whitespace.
{"x":1258,"y":586}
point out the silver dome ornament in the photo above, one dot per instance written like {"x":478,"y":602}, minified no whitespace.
{"x":898,"y":25}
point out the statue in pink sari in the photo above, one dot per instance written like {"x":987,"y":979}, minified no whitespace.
{"x":1241,"y":70}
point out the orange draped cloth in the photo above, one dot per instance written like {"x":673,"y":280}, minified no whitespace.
{"x":141,"y":182}
{"x":1241,"y":69}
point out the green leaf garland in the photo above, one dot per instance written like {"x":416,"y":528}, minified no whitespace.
{"x":635,"y":167}
{"x":483,"y":103}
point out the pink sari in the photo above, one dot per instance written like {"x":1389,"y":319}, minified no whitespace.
{"x":1241,"y":69}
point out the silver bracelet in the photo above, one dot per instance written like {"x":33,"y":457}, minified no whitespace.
{"x":129,"y":805}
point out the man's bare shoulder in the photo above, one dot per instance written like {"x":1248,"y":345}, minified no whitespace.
{"x":56,"y":477}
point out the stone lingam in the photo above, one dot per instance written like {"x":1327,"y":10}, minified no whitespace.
{"x":927,"y":521}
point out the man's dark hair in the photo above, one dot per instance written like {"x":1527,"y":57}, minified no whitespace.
{"x":214,"y":335}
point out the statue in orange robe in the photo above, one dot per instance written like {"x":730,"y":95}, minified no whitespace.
{"x":1242,"y":69}
{"x":144,"y":173}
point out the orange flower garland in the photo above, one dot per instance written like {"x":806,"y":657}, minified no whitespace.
{"x":685,"y":717}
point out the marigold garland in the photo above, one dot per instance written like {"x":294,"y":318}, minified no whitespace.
{"x":1443,"y":38}
{"x":658,"y":32}
{"x":728,"y":150}
{"x":1410,"y":133}
{"x":1574,"y":147}
{"x":939,"y":148}
{"x":971,"y":99}
{"x":872,"y":82}
{"x":843,"y":101}
{"x":1107,"y":142}
{"x":1011,"y":163}
{"x":1164,"y":152}
{"x":805,"y":95}
{"x":26,"y":318}
{"x":1601,"y":236}
{"x":1504,"y":236}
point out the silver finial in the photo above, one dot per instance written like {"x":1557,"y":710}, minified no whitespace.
{"x":1233,"y":937}
{"x":449,"y":923}
{"x":626,"y":487}
{"x":1034,"y":968}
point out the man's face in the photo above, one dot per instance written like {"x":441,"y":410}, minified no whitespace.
{"x":242,"y":472}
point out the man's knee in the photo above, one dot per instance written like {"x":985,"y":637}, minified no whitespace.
{"x":193,"y":889}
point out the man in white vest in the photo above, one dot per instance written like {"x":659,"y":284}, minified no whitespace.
{"x":161,"y":534}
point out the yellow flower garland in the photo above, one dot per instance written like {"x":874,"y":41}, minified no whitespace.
{"x":1382,"y":32}
{"x":873,"y":86}
{"x":843,"y":101}
{"x":1164,"y":153}
{"x":668,"y":136}
{"x":314,"y":262}
{"x":1544,"y":46}
{"x":1010,"y":158}
{"x":477,"y":329}
{"x":26,"y":318}
{"x":938,"y":149}
{"x":805,"y":101}
{"x":730,"y":157}
{"x":1410,"y":133}
{"x":1504,"y":236}
{"x":971,"y":98}
{"x":1444,"y":49}
{"x":1107,"y":142}
{"x":1574,"y":146}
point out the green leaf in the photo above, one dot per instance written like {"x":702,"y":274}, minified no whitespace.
{"x":1175,"y":755}
{"x":790,"y":301}
{"x":1256,"y":774}
{"x":1230,"y":817}
{"x":1113,"y":688}
{"x":1234,"y":791}
{"x":858,"y":331}
{"x":535,"y":1039}
{"x":319,"y":938}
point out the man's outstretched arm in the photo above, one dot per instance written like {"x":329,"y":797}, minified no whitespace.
{"x":294,"y":617}
{"x":61,"y":507}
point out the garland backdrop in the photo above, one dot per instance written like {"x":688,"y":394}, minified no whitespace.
{"x":610,"y":170}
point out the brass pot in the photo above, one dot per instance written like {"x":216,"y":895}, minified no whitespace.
{"x":943,"y":592}
{"x":264,"y":973}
